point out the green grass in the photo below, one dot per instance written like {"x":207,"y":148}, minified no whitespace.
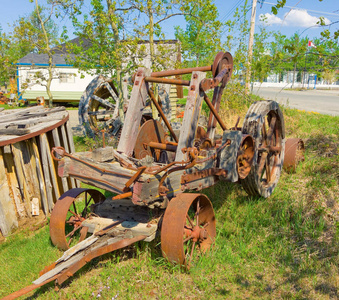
{"x":284,"y":247}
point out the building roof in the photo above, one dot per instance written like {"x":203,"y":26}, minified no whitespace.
{"x":59,"y":59}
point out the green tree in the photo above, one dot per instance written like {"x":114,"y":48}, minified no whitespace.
{"x":261,"y":66}
{"x":201,"y":38}
{"x":10,"y":52}
{"x":39,"y":32}
{"x":104,"y":42}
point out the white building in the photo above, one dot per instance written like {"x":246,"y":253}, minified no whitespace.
{"x":68,"y":83}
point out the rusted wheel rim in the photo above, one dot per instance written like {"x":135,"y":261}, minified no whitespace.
{"x":188,"y":228}
{"x":68,"y":214}
{"x":150,"y":131}
{"x":294,"y":153}
{"x":222,"y":61}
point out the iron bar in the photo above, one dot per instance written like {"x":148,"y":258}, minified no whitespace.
{"x":155,"y":102}
{"x":214,"y":112}
{"x":181,"y":71}
{"x":167,"y":80}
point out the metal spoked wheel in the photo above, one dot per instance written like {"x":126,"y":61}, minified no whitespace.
{"x":99,"y":107}
{"x":265,"y":122}
{"x":188,"y":229}
{"x":71,"y":209}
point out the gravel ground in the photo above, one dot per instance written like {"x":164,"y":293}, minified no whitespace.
{"x":73,"y":117}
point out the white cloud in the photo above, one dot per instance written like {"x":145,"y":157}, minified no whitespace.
{"x":295,"y":18}
{"x":269,"y":19}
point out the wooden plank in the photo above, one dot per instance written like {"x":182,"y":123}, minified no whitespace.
{"x":29,"y":167}
{"x":191,"y":115}
{"x":51,"y":166}
{"x":19,"y":163}
{"x":43,"y":190}
{"x":66,"y":147}
{"x":22,"y":114}
{"x":8,"y":219}
{"x":56,"y":140}
{"x":13,"y":182}
{"x":134,"y":113}
{"x":48,"y":182}
{"x":35,"y":120}
{"x":14,"y":131}
{"x":71,"y":145}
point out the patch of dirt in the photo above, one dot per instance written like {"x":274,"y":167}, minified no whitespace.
{"x":29,"y":224}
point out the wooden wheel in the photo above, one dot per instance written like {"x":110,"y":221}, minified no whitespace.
{"x":71,"y":209}
{"x":265,"y":122}
{"x":188,"y":228}
{"x":99,"y":107}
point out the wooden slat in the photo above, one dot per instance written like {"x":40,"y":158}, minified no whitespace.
{"x":43,"y":190}
{"x":19,"y":163}
{"x":57,"y":143}
{"x":13,"y":182}
{"x":51,"y":166}
{"x":71,"y":145}
{"x":48,"y":182}
{"x":8,"y":219}
{"x":66,"y":147}
{"x":29,"y":167}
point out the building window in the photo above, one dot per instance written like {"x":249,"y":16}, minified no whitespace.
{"x":66,"y":78}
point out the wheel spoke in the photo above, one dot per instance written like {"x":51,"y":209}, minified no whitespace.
{"x":188,"y":238}
{"x":73,"y":231}
{"x":206,"y":224}
{"x":73,"y":213}
{"x":262,"y":163}
{"x":268,"y":171}
{"x":271,"y":131}
{"x":198,"y":211}
{"x":191,"y":255}
{"x":189,"y":220}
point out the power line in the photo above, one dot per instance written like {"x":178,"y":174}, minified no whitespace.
{"x":231,"y":10}
{"x":310,"y":10}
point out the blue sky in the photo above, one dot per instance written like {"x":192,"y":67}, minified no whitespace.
{"x":296,"y":16}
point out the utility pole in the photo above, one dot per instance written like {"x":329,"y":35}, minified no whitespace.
{"x":250,"y":47}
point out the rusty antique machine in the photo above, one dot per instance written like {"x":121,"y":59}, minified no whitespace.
{"x":153,"y":166}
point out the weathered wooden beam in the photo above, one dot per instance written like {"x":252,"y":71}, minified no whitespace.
{"x":71,"y":145}
{"x":42,"y":185}
{"x":134,"y":113}
{"x":52,"y":168}
{"x":13,"y":182}
{"x":56,"y":140}
{"x":48,"y":182}
{"x":66,"y":147}
{"x":8,"y":219}
{"x":191,"y":115}
{"x":19,"y":163}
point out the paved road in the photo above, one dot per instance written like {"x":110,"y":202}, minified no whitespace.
{"x":322,"y":101}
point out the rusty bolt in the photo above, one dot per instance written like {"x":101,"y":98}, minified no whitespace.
{"x":192,"y":87}
{"x":137,"y":82}
{"x":195,"y":76}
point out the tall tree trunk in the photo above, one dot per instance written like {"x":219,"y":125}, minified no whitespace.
{"x":114,"y":26}
{"x":49,"y":80}
{"x":151,"y":31}
{"x":50,"y":56}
